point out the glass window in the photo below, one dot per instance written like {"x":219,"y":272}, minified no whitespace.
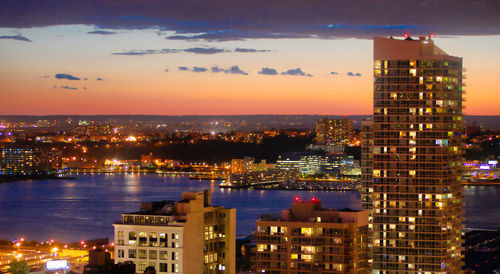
{"x":163,"y":255}
{"x":143,"y":239}
{"x":132,"y":235}
{"x":132,"y":253}
{"x":163,"y":240}
{"x":153,"y":240}
{"x":163,"y":267}
{"x":153,"y":254}
{"x":141,"y":266}
{"x":142,"y":254}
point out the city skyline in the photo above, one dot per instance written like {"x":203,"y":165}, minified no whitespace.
{"x":113,"y":58}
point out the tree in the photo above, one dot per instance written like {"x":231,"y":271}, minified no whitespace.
{"x":17,"y":267}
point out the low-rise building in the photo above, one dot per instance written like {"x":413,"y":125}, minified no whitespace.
{"x":311,"y":239}
{"x":187,"y":236}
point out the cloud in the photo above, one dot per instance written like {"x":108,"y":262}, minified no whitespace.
{"x":216,"y":69}
{"x":102,"y":32}
{"x":231,"y":70}
{"x":198,"y":50}
{"x":68,"y":87}
{"x":146,"y":52}
{"x":250,"y":50}
{"x":235,"y":20}
{"x":235,"y":70}
{"x":45,"y":76}
{"x":198,"y":69}
{"x":85,"y":78}
{"x":357,"y":74}
{"x":296,"y":72}
{"x":334,"y":73}
{"x":183,"y":68}
{"x":268,"y":71}
{"x":66,"y":76}
{"x":205,"y":50}
{"x":18,"y":37}
{"x":99,"y":79}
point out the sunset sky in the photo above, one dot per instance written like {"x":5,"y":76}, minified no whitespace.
{"x":226,"y":57}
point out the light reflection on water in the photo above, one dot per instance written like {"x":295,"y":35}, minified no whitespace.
{"x":85,"y":208}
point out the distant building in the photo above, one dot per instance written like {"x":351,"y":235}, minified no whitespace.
{"x":247,"y":164}
{"x":336,"y":132}
{"x":311,"y":239}
{"x":242,"y":165}
{"x":259,"y":178}
{"x":24,"y":161}
{"x":188,"y":236}
{"x":310,"y":163}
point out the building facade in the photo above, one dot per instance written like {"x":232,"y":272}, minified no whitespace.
{"x":333,"y":131}
{"x":188,"y":236}
{"x":242,"y":165}
{"x":415,"y":193}
{"x":311,"y":239}
{"x":24,"y":161}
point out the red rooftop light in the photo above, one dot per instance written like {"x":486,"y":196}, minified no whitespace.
{"x":297,"y":198}
{"x":314,"y":200}
{"x":406,"y":35}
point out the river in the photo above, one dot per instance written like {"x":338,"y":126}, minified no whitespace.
{"x":70,"y":210}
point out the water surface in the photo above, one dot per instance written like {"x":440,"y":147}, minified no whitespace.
{"x":86,"y":207}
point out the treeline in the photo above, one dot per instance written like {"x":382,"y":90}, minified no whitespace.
{"x":208,"y":151}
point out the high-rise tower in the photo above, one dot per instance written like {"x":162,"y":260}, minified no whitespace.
{"x":415,"y":194}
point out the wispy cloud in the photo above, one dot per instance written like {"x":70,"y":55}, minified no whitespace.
{"x":99,"y":79}
{"x":357,"y":74}
{"x":250,"y":50}
{"x":66,"y":76}
{"x":102,"y":32}
{"x":141,"y":52}
{"x":18,"y":37}
{"x":334,"y":73}
{"x":68,"y":87}
{"x":296,"y":72}
{"x":199,"y":69}
{"x":268,"y":71}
{"x":215,"y":69}
{"x":196,"y":50}
{"x":205,"y":50}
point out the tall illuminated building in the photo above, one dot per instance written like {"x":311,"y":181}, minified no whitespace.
{"x":415,"y":190}
{"x":333,"y":131}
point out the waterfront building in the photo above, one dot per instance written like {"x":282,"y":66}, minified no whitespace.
{"x":415,"y":193}
{"x":260,"y":178}
{"x":309,"y":163}
{"x":242,"y":165}
{"x":311,"y":239}
{"x":17,"y":160}
{"x":335,"y":132}
{"x":188,"y":236}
